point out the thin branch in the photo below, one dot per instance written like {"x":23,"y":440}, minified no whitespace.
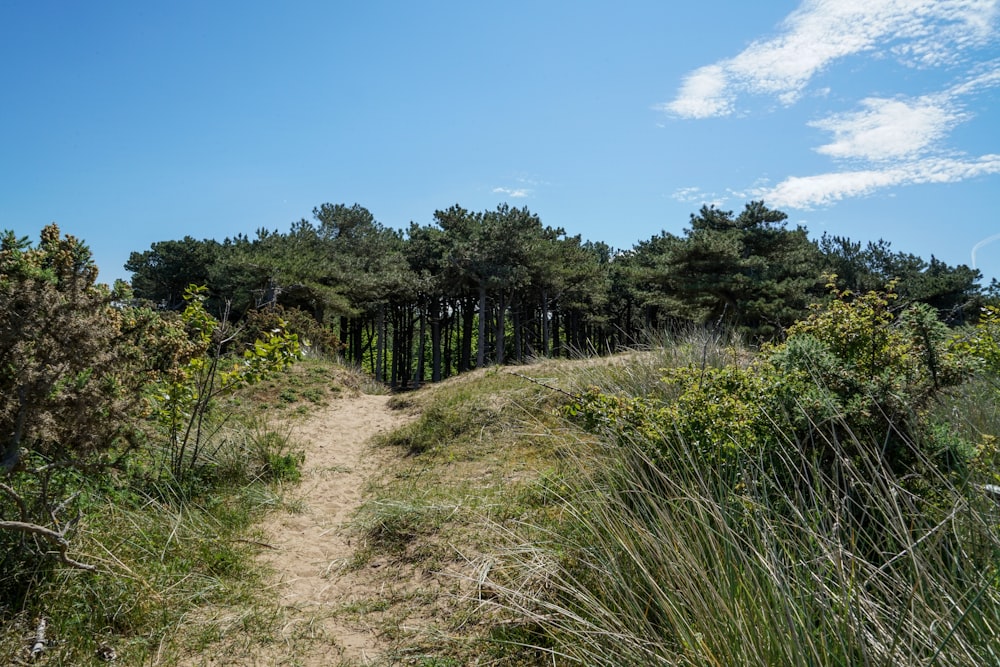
{"x":542,"y":384}
{"x":40,"y":643}
{"x":61,"y":507}
{"x":54,"y":538}
{"x":18,"y":500}
{"x":912,"y":548}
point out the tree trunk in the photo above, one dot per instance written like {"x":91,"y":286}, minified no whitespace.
{"x":422,"y":344}
{"x":556,"y":345}
{"x":344,"y":337}
{"x":450,"y":342}
{"x":515,"y":314}
{"x":396,"y":354}
{"x":481,"y":351}
{"x":501,"y":328}
{"x":436,"y":342}
{"x":468,"y":314}
{"x":379,"y":342}
{"x":546,"y":350}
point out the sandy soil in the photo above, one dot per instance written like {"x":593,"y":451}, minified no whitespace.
{"x":311,"y":546}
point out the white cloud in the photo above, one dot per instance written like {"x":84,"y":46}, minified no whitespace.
{"x":900,"y":140}
{"x":688,"y":195}
{"x":514,"y":193}
{"x":988,"y":76}
{"x":922,"y":32}
{"x":697,"y":197}
{"x":806,"y":192}
{"x":703,"y":95}
{"x":902,"y":128}
{"x":889,"y":129}
{"x":888,"y":141}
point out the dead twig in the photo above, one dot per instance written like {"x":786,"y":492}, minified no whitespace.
{"x":542,"y":384}
{"x":255,"y":543}
{"x":22,"y":507}
{"x":40,"y":643}
{"x":56,"y":539}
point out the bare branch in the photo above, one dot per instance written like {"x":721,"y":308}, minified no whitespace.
{"x":40,"y":643}
{"x":542,"y":384}
{"x":54,"y":538}
{"x":18,"y":500}
{"x":61,"y":507}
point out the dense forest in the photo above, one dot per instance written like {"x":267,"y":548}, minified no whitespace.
{"x":478,"y":288}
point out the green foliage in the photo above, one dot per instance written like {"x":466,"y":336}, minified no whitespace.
{"x":667,"y":565}
{"x":879,"y":369}
{"x":809,"y":508}
{"x":164,"y":552}
{"x":183,"y":401}
{"x":518,"y":289}
{"x":748,"y":270}
{"x":65,"y":354}
{"x":983,"y":343}
{"x":254,"y":451}
{"x":163,"y":273}
{"x":314,"y":337}
{"x":952,"y":291}
{"x":852,"y":369}
{"x":71,"y":387}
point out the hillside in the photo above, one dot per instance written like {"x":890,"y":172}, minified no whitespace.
{"x":693,"y":503}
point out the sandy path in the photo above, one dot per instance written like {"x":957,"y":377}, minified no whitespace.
{"x":311,"y":546}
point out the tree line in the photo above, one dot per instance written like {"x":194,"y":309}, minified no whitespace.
{"x":471,"y":288}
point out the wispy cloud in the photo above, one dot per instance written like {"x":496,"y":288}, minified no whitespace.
{"x":899,"y":141}
{"x":887,"y":129}
{"x":689,"y":195}
{"x":704,"y":93}
{"x":525,"y":185}
{"x":514,"y":193}
{"x":806,"y":192}
{"x":885,"y":141}
{"x":700,"y":197}
{"x":890,"y":129}
{"x":921,"y":32}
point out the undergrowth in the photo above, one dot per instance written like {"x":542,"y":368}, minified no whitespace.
{"x":822,"y":505}
{"x":176,"y":559}
{"x":820,"y":502}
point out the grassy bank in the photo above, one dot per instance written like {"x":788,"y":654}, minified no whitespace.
{"x":175,"y":562}
{"x":562,"y":513}
{"x":547,"y":539}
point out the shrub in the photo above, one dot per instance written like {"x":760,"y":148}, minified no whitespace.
{"x":183,"y":400}
{"x":313,"y":335}
{"x":982,"y":344}
{"x":852,"y":369}
{"x":808,"y":509}
{"x":70,"y":386}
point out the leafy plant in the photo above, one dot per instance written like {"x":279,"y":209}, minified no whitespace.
{"x":184,"y":400}
{"x":853,"y":368}
{"x":982,"y":344}
{"x":71,"y":385}
{"x":808,"y":508}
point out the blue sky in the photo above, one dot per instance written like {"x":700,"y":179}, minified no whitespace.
{"x":130,"y":123}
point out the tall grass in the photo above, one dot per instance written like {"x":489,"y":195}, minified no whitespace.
{"x":166,"y":551}
{"x":785,"y":562}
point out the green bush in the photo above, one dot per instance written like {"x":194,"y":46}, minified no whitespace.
{"x":853,"y":370}
{"x":183,"y":401}
{"x":815,"y":507}
{"x":72,"y":372}
{"x":982,"y":344}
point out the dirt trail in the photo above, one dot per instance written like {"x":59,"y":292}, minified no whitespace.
{"x":312,"y":547}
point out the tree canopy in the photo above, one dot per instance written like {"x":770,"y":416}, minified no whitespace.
{"x":473,"y":288}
